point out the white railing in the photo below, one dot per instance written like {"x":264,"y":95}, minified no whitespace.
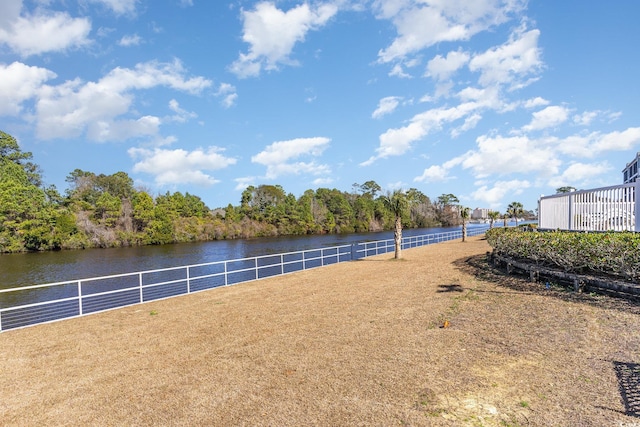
{"x":601,"y":209}
{"x":31,"y":305}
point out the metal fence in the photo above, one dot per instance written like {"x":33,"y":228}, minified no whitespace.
{"x":31,"y":305}
{"x":600,"y":209}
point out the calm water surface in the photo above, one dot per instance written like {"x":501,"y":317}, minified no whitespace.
{"x":39,"y":268}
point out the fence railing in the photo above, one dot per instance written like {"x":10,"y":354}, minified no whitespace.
{"x":601,"y":209}
{"x":31,"y":305}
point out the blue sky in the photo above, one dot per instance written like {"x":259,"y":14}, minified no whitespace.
{"x":493,"y":101}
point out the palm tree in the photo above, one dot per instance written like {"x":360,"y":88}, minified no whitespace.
{"x":465,"y":213}
{"x":493,"y":216}
{"x":397,"y":203}
{"x":514,"y":209}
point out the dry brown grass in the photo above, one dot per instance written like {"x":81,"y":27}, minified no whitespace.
{"x":357,"y":343}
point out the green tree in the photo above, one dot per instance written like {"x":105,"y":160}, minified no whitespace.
{"x":397,"y":203}
{"x":369,"y":188}
{"x":514,"y":210}
{"x":493,"y":216}
{"x":447,"y":209}
{"x":465,"y":214}
{"x":565,"y":189}
{"x":119,"y":185}
{"x":143,"y":210}
{"x":108,"y":209}
{"x":10,"y":152}
{"x":27,"y":216}
{"x":338,"y":205}
{"x":422,"y":213}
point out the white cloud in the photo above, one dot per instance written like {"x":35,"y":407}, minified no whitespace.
{"x":432,"y":174}
{"x":617,"y":141}
{"x":486,"y":97}
{"x":228,"y":94}
{"x":44,"y":32}
{"x":493,"y":195}
{"x":9,"y":12}
{"x":593,"y":144}
{"x":130,"y":40}
{"x":229,"y":100}
{"x":180,"y":166}
{"x":549,"y":117}
{"x":243,"y":182}
{"x":438,"y":172}
{"x":273,"y":33}
{"x":386,"y":106}
{"x":398,"y":71}
{"x":469,"y":123}
{"x":421,"y":24}
{"x":181,"y":115}
{"x":100,"y":108}
{"x":277,"y":156}
{"x":319,"y":182}
{"x":119,"y":7}
{"x":513,"y":155}
{"x":513,"y":63}
{"x":395,"y":142}
{"x":585,"y":118}
{"x":105,"y":130}
{"x":441,"y":68}
{"x":580,"y":174}
{"x":535,"y":102}
{"x":19,"y":83}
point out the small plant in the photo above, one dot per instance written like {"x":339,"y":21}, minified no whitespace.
{"x":524,"y":404}
{"x":153,"y":313}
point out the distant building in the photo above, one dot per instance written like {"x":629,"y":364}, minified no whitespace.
{"x":480,"y":213}
{"x":630,"y":172}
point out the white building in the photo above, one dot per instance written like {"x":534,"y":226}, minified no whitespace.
{"x":480,"y":213}
{"x":630,"y":172}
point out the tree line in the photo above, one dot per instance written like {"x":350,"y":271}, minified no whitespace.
{"x":109,"y":211}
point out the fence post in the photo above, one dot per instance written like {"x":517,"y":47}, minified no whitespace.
{"x":570,"y":222}
{"x":226,"y":274}
{"x":80,"y":297}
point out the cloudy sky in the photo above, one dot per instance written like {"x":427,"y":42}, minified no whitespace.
{"x":492,"y":100}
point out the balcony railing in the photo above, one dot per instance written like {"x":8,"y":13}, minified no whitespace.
{"x":601,"y":209}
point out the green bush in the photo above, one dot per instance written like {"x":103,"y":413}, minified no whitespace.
{"x":610,"y":253}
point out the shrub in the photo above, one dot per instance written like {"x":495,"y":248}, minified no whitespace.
{"x":607,"y":253}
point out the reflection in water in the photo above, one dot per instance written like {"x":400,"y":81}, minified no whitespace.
{"x":18,"y":270}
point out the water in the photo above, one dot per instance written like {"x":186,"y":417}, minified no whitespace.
{"x":17,"y":270}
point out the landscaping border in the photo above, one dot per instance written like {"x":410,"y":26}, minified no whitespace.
{"x":580,"y":282}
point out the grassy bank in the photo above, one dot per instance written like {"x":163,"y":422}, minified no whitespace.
{"x":358,"y":343}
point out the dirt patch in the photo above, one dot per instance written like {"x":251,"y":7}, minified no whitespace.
{"x":358,"y":343}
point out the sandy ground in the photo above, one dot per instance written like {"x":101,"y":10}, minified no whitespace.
{"x":353,"y":344}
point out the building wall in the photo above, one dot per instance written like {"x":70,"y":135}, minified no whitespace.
{"x":480,"y":213}
{"x":630,"y":172}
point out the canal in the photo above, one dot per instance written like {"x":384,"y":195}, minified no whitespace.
{"x":25,"y":269}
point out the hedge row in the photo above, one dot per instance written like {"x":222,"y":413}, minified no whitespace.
{"x":612,"y":253}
